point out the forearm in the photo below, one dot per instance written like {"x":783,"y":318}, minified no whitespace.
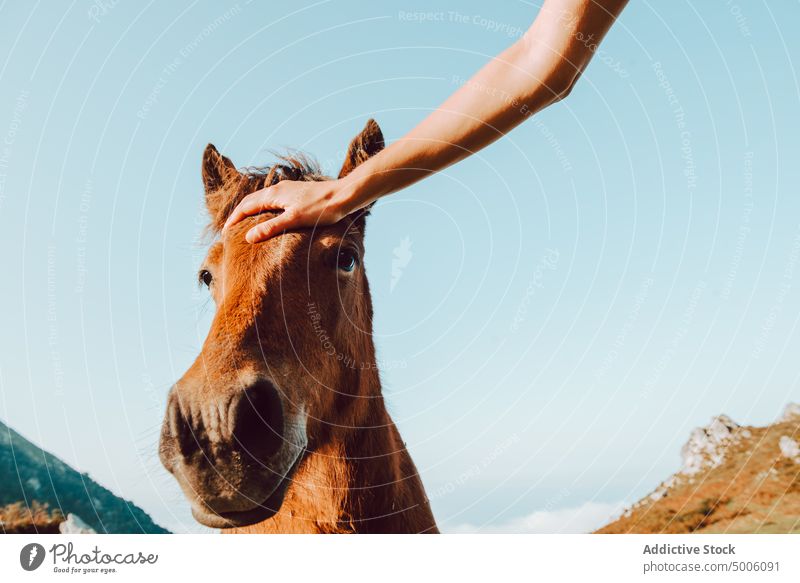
{"x":534,"y":72}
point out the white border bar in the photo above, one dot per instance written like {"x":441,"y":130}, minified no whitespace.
{"x":243,"y":559}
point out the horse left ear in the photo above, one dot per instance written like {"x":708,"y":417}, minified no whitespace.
{"x":217,"y":169}
{"x":218,"y":172}
{"x":365,"y":145}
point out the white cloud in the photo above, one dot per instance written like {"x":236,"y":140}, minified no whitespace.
{"x":580,"y":519}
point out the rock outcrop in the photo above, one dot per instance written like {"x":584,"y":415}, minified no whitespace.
{"x":734,"y":479}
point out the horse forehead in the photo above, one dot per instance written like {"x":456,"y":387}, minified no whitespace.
{"x":241,"y":253}
{"x":250,"y":272}
{"x":214,"y":252}
{"x":284,"y":252}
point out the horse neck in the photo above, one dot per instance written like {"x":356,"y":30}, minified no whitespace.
{"x":363,"y":480}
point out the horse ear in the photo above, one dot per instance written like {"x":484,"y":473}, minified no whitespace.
{"x":218,"y":171}
{"x":365,"y":145}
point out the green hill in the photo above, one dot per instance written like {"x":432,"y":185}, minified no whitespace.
{"x":29,"y":475}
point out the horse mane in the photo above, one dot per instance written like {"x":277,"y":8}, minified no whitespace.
{"x":293,"y":165}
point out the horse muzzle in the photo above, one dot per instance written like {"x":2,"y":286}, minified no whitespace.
{"x":234,"y":456}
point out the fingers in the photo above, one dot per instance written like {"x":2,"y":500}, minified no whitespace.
{"x":272,"y":227}
{"x":253,"y":204}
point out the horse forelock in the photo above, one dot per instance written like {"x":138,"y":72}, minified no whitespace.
{"x":295,"y":166}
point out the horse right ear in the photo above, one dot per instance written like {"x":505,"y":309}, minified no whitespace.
{"x":218,"y":172}
{"x":365,"y":145}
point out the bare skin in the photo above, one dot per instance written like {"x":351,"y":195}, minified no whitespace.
{"x":536,"y":71}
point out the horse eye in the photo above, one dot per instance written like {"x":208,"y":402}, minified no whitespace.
{"x":346,"y":261}
{"x":206,"y":277}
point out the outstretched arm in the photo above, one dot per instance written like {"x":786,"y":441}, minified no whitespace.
{"x":536,"y":71}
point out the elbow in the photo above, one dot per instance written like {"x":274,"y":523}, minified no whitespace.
{"x":553,"y":73}
{"x":563,"y":87}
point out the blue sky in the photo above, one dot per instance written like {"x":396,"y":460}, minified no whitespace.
{"x":576,"y":298}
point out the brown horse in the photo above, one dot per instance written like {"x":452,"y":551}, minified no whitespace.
{"x":279,"y":425}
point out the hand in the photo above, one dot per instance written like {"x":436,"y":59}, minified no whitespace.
{"x":304,"y":204}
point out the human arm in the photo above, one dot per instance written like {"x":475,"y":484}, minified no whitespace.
{"x":536,"y":71}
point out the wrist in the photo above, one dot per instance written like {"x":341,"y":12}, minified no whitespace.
{"x":354,"y":192}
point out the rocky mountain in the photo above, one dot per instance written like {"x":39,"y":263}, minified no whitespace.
{"x":734,"y":479}
{"x":31,"y":478}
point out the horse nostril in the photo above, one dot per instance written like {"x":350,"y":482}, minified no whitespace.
{"x":176,"y":429}
{"x":258,"y":420}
